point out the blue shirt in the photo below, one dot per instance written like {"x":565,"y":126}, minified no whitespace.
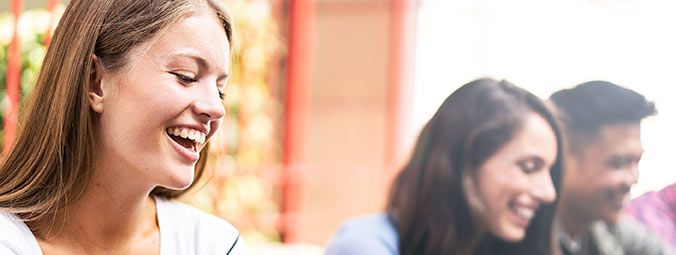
{"x":367,"y":235}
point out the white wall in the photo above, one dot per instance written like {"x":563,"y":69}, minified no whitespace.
{"x":547,"y":45}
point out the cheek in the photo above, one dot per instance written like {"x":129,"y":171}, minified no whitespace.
{"x":215,"y":125}
{"x":498,"y":198}
{"x":497,"y":189}
{"x":165,"y":104}
{"x":139,"y":114}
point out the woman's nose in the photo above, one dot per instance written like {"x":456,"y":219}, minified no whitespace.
{"x":208,"y":104}
{"x":543,"y":188}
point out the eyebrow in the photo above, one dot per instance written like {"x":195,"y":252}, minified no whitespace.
{"x":533,"y":157}
{"x":201,"y":62}
{"x":629,"y":156}
{"x":539,"y":159}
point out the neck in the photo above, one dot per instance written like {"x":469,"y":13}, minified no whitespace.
{"x":112,"y":214}
{"x":572,"y":220}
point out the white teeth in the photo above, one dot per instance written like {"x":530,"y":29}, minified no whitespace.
{"x":524,"y":212}
{"x":185,"y":133}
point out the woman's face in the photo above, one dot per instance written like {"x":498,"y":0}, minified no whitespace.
{"x":158,"y":111}
{"x":516,"y":180}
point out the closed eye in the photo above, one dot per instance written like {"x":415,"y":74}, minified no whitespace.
{"x":530,"y":165}
{"x":621,"y":161}
{"x":184,"y":78}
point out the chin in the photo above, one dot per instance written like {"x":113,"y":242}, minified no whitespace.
{"x":613,"y":218}
{"x":177,"y":186}
{"x":512,"y":235}
{"x":178,"y":182}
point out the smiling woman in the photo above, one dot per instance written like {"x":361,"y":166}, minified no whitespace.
{"x":116,"y":127}
{"x":483,"y":179}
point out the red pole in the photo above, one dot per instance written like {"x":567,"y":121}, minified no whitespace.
{"x":13,"y":74}
{"x":302,"y":32}
{"x":51,"y":6}
{"x":402,"y":44}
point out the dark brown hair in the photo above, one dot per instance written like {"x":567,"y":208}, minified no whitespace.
{"x":585,"y":109}
{"x":433,"y":201}
{"x":50,"y":162}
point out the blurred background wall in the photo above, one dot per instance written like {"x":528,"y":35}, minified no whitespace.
{"x":328,"y":96}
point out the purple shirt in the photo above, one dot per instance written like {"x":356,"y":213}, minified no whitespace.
{"x":657,"y":210}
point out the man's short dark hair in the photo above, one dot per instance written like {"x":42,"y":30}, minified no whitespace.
{"x":588,"y":107}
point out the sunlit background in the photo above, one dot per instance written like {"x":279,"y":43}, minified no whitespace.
{"x":328,"y":96}
{"x":545,"y":46}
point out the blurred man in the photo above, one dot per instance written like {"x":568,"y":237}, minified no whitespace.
{"x":603,"y":127}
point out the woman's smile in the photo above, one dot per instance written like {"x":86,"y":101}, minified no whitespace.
{"x":187,"y":141}
{"x":522,"y":214}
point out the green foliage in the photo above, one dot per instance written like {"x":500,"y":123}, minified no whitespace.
{"x":32,"y":29}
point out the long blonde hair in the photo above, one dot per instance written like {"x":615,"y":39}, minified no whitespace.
{"x":50,"y":162}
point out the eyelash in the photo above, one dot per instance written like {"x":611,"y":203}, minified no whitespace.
{"x":184,"y":78}
{"x":187,"y":79}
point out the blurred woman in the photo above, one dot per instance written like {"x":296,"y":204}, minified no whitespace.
{"x":117,"y":125}
{"x":482,"y":179}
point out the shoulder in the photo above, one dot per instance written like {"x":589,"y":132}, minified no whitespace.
{"x":656,"y":211}
{"x":635,"y":238}
{"x":646,"y":201}
{"x":198,"y":219}
{"x":371,"y":234}
{"x":209,"y":234}
{"x":654,"y":206}
{"x":15,"y":237}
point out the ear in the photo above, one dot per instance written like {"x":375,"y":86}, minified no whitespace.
{"x":95,"y":85}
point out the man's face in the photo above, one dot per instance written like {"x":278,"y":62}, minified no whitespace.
{"x":600,"y":175}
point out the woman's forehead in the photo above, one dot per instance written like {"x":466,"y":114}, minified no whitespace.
{"x":199,"y":37}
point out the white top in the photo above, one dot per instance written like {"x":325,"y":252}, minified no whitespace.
{"x":183,"y":230}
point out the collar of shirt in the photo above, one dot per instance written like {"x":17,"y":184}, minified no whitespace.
{"x":571,"y":245}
